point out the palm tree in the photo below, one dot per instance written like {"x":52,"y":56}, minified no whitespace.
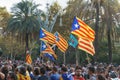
{"x":24,"y":19}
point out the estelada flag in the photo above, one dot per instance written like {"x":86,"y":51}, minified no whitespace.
{"x":45,"y":48}
{"x":82,"y":30}
{"x":61,"y":42}
{"x":47,"y":36}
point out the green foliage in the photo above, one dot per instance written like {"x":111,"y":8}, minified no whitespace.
{"x":4,"y":16}
{"x":24,"y":20}
{"x":10,"y":45}
{"x":1,"y":52}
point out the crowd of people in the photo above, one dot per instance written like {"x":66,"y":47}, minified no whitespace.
{"x":18,"y":70}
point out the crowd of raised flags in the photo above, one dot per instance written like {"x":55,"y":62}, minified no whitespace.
{"x":81,"y":37}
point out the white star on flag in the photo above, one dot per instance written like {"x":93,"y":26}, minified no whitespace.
{"x":43,"y":34}
{"x":44,"y":46}
{"x":76,"y":25}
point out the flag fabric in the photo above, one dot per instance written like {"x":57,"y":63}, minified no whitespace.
{"x":73,"y":41}
{"x":45,"y":48}
{"x":86,"y":45}
{"x":28,"y":57}
{"x":61,"y":42}
{"x":50,"y":56}
{"x":82,"y":30}
{"x":47,"y":36}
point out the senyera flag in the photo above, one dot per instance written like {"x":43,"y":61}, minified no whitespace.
{"x":82,"y":30}
{"x":28,"y":57}
{"x":61,"y":43}
{"x":47,"y":36}
{"x":45,"y":48}
{"x":86,"y":45}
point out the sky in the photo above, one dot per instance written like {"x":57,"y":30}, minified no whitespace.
{"x":10,"y":3}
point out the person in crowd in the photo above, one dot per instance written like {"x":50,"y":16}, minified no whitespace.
{"x":65,"y":75}
{"x":55,"y":75}
{"x":100,"y":77}
{"x":42,"y":74}
{"x":5,"y":70}
{"x":91,"y":72}
{"x":2,"y":76}
{"x":72,"y":71}
{"x":36,"y":73}
{"x":113,"y":76}
{"x":30,"y":70}
{"x":78,"y":74}
{"x":11,"y":76}
{"x":23,"y":74}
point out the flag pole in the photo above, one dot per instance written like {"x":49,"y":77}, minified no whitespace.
{"x":88,"y":58}
{"x":64,"y":58}
{"x":76,"y":57}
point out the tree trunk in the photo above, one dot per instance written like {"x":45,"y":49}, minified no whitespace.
{"x":96,"y":31}
{"x":26,"y":40}
{"x":109,"y":23}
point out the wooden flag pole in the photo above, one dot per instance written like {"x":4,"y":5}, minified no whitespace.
{"x":64,"y":58}
{"x":76,"y":57}
{"x":88,"y":58}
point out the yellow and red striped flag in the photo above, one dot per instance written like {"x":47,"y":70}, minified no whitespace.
{"x":45,"y":48}
{"x":86,"y":45}
{"x":47,"y":36}
{"x":28,"y":57}
{"x":82,"y":30}
{"x":61,"y":42}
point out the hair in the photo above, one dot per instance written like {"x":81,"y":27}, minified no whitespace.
{"x":92,"y":69}
{"x":54,"y":69}
{"x":22,"y":70}
{"x":42,"y":70}
{"x":78,"y":67}
{"x":5,"y":71}
{"x":36,"y":71}
{"x":12,"y":75}
{"x":29,"y":68}
{"x":64,"y":69}
{"x":100,"y":77}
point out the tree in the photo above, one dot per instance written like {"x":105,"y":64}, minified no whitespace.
{"x":24,"y":19}
{"x":4,"y":16}
{"x":87,"y":10}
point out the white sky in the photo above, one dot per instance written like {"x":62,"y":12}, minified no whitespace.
{"x":9,"y":3}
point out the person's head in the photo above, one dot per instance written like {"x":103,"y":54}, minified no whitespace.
{"x":113,"y":74}
{"x":78,"y":71}
{"x":36,"y":71}
{"x":100,"y":77}
{"x":4,"y":70}
{"x":72,"y":70}
{"x":29,"y":68}
{"x":91,"y":70}
{"x":2,"y":76}
{"x":22,"y":70}
{"x":54,"y":70}
{"x":42,"y":71}
{"x":64,"y":69}
{"x":11,"y":76}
